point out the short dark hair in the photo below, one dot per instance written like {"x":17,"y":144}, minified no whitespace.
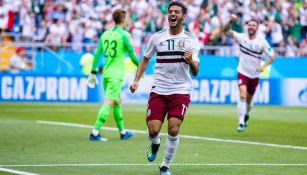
{"x":119,"y":16}
{"x":253,"y":19}
{"x":180,"y":4}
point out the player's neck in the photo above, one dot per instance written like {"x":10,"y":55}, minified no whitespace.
{"x":120,"y":25}
{"x":251,"y":37}
{"x":175,"y":30}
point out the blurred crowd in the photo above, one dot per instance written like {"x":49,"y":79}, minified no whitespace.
{"x":60,"y":22}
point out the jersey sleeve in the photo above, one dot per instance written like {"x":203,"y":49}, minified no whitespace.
{"x":129,"y":48}
{"x":151,"y":48}
{"x":97,"y":54}
{"x":268,"y":49}
{"x":238,"y":37}
{"x":195,"y":50}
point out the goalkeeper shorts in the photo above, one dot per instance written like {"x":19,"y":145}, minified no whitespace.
{"x":112,"y":88}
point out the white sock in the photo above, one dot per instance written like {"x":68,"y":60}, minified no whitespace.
{"x":170,"y":150}
{"x":95,"y":132}
{"x":123,"y":132}
{"x":155,"y":140}
{"x":241,"y":107}
{"x":248,"y":108}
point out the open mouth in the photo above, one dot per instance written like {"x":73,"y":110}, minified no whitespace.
{"x":173,"y":19}
{"x":250,"y":30}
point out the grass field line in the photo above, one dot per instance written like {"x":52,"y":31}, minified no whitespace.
{"x":181,"y":136}
{"x":49,"y":110}
{"x":15,"y":171}
{"x":154,"y":164}
{"x":195,"y":110}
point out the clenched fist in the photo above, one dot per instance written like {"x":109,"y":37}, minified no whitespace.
{"x":233,"y":17}
{"x":133,"y":86}
{"x":188,"y":56}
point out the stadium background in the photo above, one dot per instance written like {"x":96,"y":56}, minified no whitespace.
{"x":47,"y":110}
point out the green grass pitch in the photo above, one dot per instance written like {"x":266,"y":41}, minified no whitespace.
{"x":56,"y":149}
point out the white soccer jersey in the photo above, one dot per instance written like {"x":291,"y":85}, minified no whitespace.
{"x":251,"y":53}
{"x":172,"y":73}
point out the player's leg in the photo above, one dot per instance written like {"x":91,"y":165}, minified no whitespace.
{"x":241,"y":105}
{"x":171,"y":144}
{"x":154,"y":127}
{"x":156,"y":111}
{"x":114,"y":94}
{"x":103,"y":114}
{"x":101,"y":118}
{"x":118,"y":116}
{"x":178,"y":105}
{"x":249,"y":99}
{"x":252,"y":85}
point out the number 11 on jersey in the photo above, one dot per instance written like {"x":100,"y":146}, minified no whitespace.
{"x":171,"y":44}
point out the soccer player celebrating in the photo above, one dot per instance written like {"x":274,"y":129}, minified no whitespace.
{"x":114,"y":43}
{"x":176,"y":53}
{"x":252,"y":49}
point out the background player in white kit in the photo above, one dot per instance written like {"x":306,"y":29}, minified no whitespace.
{"x":252,"y":48}
{"x":177,"y":55}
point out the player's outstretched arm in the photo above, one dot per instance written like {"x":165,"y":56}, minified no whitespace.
{"x":194,"y":68}
{"x":268,"y":62}
{"x":270,"y":53}
{"x":92,"y":79}
{"x":226,"y":28}
{"x":130,"y":51}
{"x":140,"y":70}
{"x":97,"y":55}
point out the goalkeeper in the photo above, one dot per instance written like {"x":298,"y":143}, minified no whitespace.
{"x":114,"y":43}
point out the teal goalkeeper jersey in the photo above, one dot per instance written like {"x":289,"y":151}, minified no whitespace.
{"x":115,"y":44}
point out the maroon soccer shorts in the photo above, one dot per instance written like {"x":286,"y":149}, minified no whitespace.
{"x":250,"y":83}
{"x":174,"y":105}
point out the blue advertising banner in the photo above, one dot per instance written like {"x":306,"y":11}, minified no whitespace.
{"x":55,"y":88}
{"x":47,"y":88}
{"x":294,"y":92}
{"x":225,"y":91}
{"x":210,"y":91}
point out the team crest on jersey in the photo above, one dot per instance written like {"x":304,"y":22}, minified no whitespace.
{"x":181,"y":44}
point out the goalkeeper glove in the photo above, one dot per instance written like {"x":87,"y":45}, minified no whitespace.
{"x":92,"y":79}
